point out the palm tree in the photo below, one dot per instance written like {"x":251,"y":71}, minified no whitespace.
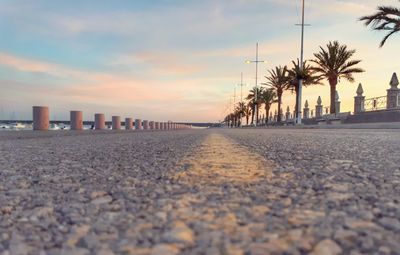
{"x":226,"y":120}
{"x":387,"y":19}
{"x":232,"y":119}
{"x":307,"y":74}
{"x":278,"y":81}
{"x":335,"y":63}
{"x":248,"y":111}
{"x":241,"y":110}
{"x":268,"y":97}
{"x":252,"y":96}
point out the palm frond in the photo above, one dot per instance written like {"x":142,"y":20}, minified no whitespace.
{"x":335,"y":62}
{"x":387,"y":18}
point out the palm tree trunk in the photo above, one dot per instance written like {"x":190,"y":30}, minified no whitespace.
{"x":296,"y":90}
{"x":258,"y":108}
{"x":267,"y":107}
{"x":252,"y":115}
{"x":333,"y":83}
{"x":279,"y":107}
{"x":247,"y":120}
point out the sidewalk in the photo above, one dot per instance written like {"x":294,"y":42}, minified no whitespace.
{"x":383,"y":125}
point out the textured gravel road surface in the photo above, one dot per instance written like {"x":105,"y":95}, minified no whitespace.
{"x":221,"y":191}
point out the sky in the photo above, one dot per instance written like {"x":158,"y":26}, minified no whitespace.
{"x":172,"y":60}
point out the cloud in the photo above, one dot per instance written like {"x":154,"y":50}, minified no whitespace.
{"x":157,"y":63}
{"x":23,"y":64}
{"x":106,"y":90}
{"x":38,"y":66}
{"x":88,"y":84}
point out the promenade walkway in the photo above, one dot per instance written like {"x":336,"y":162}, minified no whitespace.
{"x":216,"y":191}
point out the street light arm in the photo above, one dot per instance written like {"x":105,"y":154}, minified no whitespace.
{"x":255,"y":61}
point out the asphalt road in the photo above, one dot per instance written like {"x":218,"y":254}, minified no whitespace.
{"x":252,"y":191}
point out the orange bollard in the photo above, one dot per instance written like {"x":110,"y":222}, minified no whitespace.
{"x":128,"y":124}
{"x":40,"y":117}
{"x":76,"y":120}
{"x":116,"y":122}
{"x":99,"y":121}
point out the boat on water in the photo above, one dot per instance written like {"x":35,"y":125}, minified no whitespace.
{"x":4,"y":126}
{"x":88,"y":127}
{"x":64,"y":126}
{"x":17,"y":126}
{"x":54,"y":126}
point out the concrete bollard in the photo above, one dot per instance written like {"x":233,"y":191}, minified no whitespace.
{"x":318,"y":108}
{"x":40,"y":117}
{"x":151,"y":123}
{"x":287,"y":116}
{"x":116,"y":122}
{"x":306,"y":111}
{"x":99,"y":121}
{"x":393,"y":93}
{"x":337,"y":103}
{"x":128,"y":124}
{"x":145,"y":124}
{"x":76,"y":120}
{"x":138,"y":124}
{"x":359,"y":100}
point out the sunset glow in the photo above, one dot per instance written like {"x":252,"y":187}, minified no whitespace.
{"x":171,"y":59}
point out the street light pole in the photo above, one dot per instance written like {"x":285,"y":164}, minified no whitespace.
{"x":255,"y":92}
{"x":301,"y":67}
{"x":241,"y":95}
{"x":234,"y":98}
{"x":232,"y":109}
{"x":234,"y":104}
{"x":241,"y":87}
